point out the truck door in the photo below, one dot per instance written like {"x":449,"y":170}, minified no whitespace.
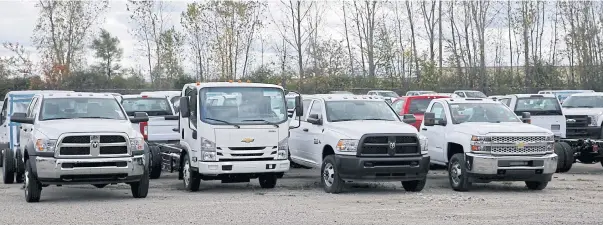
{"x":189,"y":125}
{"x":4,"y":125}
{"x":26,"y":129}
{"x":314,"y":136}
{"x":295,"y":140}
{"x":436,"y":134}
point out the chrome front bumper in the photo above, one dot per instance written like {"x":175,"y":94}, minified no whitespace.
{"x":487,"y":164}
{"x":48,"y":168}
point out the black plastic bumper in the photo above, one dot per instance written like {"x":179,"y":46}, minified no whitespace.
{"x":583,"y":132}
{"x":511,"y":175}
{"x":353,"y":168}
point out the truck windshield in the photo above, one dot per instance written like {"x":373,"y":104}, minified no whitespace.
{"x":418,"y":106}
{"x":583,"y":102}
{"x":475,"y":94}
{"x":538,"y":106}
{"x":359,"y":110}
{"x":481,"y":112}
{"x":151,"y":106}
{"x":242,"y":105}
{"x":72,"y":108}
{"x":390,"y":94}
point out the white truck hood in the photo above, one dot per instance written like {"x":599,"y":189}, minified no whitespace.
{"x":485,"y":128}
{"x":582,"y":111}
{"x":54,"y":128}
{"x":355,"y":129}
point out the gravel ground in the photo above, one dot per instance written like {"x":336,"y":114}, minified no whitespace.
{"x":571,"y":198}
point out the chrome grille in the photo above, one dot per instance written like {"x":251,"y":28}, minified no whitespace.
{"x":92,"y":145}
{"x":513,"y":139}
{"x":513,"y":150}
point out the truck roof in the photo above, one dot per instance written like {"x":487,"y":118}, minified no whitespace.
{"x":381,"y":91}
{"x":427,"y":96}
{"x":150,"y":95}
{"x":230,"y":84}
{"x":468,"y":100}
{"x":589,"y":94}
{"x":76,"y":95}
{"x":36,"y":92}
{"x":345,"y":97}
{"x":532,"y":95}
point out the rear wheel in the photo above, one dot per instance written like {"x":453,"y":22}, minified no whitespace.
{"x":8,"y":170}
{"x":33,"y":188}
{"x":560,"y":151}
{"x":155,"y":161}
{"x":569,"y":157}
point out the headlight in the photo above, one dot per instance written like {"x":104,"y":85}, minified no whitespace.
{"x":283,"y":149}
{"x":46,"y":145}
{"x":481,"y":138}
{"x":284,"y":144}
{"x":593,"y":120}
{"x":209,"y":156}
{"x":480,"y":143}
{"x":137,"y":144}
{"x":347,"y":145}
{"x":423,"y":144}
{"x":550,"y":138}
{"x":207,"y":145}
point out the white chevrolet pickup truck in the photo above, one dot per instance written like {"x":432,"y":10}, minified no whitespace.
{"x":482,"y":140}
{"x":80,"y":138}
{"x":355,"y":138}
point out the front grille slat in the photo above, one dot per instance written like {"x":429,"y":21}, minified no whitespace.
{"x":380,"y":145}
{"x":509,"y":145}
{"x":113,"y":150}
{"x":93,"y":145}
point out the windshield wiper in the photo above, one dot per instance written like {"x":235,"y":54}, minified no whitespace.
{"x":340,"y":120}
{"x":377,"y":119}
{"x":585,"y":106}
{"x":58,"y":118}
{"x":94,"y":117}
{"x":226,"y":122}
{"x":262,"y":120}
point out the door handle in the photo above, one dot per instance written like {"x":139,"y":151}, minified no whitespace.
{"x":423,"y":128}
{"x":305,"y":129}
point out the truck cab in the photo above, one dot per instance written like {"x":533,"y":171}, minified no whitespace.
{"x":80,"y":138}
{"x":230,"y":141}
{"x":415,"y":105}
{"x":389,"y":96}
{"x":358,"y":139}
{"x":481,"y":140}
{"x":413,"y":93}
{"x":470,"y":94}
{"x":545,"y":111}
{"x":584,"y":114}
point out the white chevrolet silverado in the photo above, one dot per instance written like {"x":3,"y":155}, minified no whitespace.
{"x":80,"y":138}
{"x":482,"y":140}
{"x":356,"y":138}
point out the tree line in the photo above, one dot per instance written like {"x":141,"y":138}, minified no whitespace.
{"x":495,"y":47}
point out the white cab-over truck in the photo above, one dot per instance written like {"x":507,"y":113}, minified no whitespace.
{"x":481,"y":140}
{"x":80,"y":138}
{"x":230,"y":141}
{"x":355,"y":138}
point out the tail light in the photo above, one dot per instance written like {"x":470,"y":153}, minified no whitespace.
{"x":144,"y":130}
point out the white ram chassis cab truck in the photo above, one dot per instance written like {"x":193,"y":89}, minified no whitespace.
{"x":80,"y":138}
{"x":230,"y":141}
{"x":482,"y":140}
{"x":355,"y":138}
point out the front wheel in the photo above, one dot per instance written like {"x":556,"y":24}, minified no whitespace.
{"x":191,"y":178}
{"x":457,"y":173}
{"x":536,"y":185}
{"x":32,"y":187}
{"x":99,"y":185}
{"x":414,"y":185}
{"x":140,"y":189}
{"x":268,"y":180}
{"x":331,"y":182}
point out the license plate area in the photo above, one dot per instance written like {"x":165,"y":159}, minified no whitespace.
{"x":520,"y":163}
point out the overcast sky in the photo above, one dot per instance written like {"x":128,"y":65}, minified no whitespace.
{"x":18,"y":18}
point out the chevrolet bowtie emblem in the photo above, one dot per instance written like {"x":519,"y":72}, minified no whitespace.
{"x":247,"y":140}
{"x":521,"y":145}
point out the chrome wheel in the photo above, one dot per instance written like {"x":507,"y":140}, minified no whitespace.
{"x":455,"y":172}
{"x":186,"y":173}
{"x":328,"y":175}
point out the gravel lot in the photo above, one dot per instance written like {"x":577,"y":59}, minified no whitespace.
{"x":572,"y":198}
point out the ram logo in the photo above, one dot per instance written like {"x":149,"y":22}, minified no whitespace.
{"x":392,"y":145}
{"x":247,"y":140}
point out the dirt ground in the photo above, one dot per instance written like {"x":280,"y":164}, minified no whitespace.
{"x":571,"y":198}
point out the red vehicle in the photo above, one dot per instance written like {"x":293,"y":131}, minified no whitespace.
{"x":415,"y":105}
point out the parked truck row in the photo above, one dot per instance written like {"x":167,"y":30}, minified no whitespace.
{"x":236,"y":132}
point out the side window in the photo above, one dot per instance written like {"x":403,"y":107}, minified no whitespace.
{"x":316,"y":108}
{"x":306,"y":105}
{"x":438,"y":110}
{"x":506,"y":101}
{"x":398,"y":106}
{"x":192,"y":104}
{"x":4,"y":112}
{"x":34,"y":109}
{"x":31,"y":106}
{"x":462,"y":94}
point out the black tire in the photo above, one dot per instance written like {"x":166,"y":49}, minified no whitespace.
{"x":155,"y":161}
{"x":414,"y":185}
{"x":560,"y":151}
{"x":193,"y":180}
{"x":462,"y":182}
{"x":536,"y":185}
{"x":280,"y":175}
{"x":100,"y":185}
{"x":140,"y":189}
{"x":1,"y":157}
{"x":8,"y":170}
{"x":569,"y":157}
{"x":33,"y":188}
{"x":328,"y":170}
{"x":19,"y":168}
{"x":268,"y":180}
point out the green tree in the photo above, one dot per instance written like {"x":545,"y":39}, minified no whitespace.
{"x":107,"y":49}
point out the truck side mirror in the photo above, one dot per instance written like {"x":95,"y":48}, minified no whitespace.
{"x":525,"y":117}
{"x":299,"y":106}
{"x":21,"y":118}
{"x":139,"y":117}
{"x":184,"y":111}
{"x":409,"y":118}
{"x":314,"y":119}
{"x":429,"y":119}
